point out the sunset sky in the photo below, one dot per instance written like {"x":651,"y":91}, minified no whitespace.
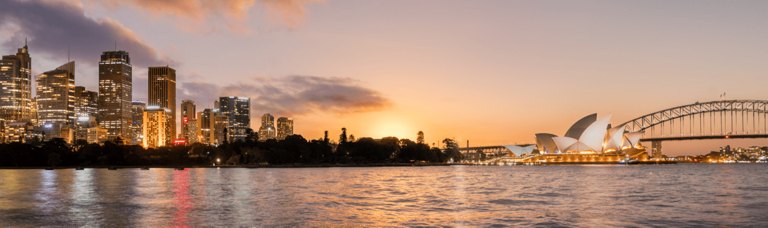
{"x":492,"y":72}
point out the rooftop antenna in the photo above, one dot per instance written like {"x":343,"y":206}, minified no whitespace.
{"x":68,"y":51}
{"x":25,"y":41}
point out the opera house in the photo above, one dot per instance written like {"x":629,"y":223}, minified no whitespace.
{"x":592,"y":139}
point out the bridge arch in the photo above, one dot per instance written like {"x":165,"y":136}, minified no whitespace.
{"x":722,"y":117}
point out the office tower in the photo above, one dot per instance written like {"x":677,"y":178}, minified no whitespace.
{"x":86,"y":102}
{"x":267,"y":129}
{"x":221,"y":128}
{"x":15,"y":86}
{"x":162,"y":93}
{"x":238,"y":114}
{"x":188,"y":121}
{"x":86,"y":110}
{"x":115,"y":88}
{"x":155,"y":127}
{"x":284,"y":127}
{"x":56,"y":102}
{"x":137,"y":118}
{"x":206,"y":123}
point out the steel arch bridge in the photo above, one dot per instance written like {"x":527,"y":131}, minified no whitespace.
{"x":720,"y":119}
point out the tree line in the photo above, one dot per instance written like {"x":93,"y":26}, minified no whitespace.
{"x":293,"y":150}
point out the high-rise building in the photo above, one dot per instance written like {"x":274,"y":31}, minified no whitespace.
{"x":16,"y":87}
{"x":267,"y":129}
{"x":115,"y":88}
{"x":56,"y":102}
{"x":238,"y":113}
{"x":206,"y":123}
{"x":284,"y":127}
{"x":221,"y":128}
{"x":188,"y":121}
{"x":86,"y":110}
{"x":86,"y":102}
{"x":162,"y":92}
{"x":155,"y":127}
{"x":137,"y":118}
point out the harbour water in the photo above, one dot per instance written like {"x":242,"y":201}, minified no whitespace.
{"x":578,"y":195}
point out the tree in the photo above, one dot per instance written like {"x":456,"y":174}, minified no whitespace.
{"x":451,"y":150}
{"x":420,"y":137}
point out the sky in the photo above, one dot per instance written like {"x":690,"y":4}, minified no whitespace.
{"x":492,"y":72}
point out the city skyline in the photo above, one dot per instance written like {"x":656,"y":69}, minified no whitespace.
{"x":489,"y":82}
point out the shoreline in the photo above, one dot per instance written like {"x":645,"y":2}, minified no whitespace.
{"x":115,"y":167}
{"x":182,"y":167}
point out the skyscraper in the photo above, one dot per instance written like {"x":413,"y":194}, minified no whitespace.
{"x":86,"y":102}
{"x":155,"y":127}
{"x":284,"y":127}
{"x":137,"y":120}
{"x":15,"y":86}
{"x":206,"y":122}
{"x":267,"y":129}
{"x":86,"y":110}
{"x":188,"y":121}
{"x":115,"y":88}
{"x":221,"y":128}
{"x":238,"y":115}
{"x":162,"y":93}
{"x":56,"y":101}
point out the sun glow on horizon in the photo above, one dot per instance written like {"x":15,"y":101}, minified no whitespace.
{"x":388,"y":126}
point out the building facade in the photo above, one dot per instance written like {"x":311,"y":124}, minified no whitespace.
{"x":237,"y":111}
{"x":86,"y":110}
{"x":284,"y":127}
{"x":16,"y":87}
{"x":155,"y":128}
{"x":221,"y":128}
{"x":205,"y":124}
{"x":56,"y":102}
{"x":115,"y":93}
{"x":189,"y":121}
{"x":137,"y":118}
{"x":267,"y":129}
{"x":162,"y":92}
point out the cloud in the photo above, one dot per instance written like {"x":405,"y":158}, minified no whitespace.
{"x":54,"y":27}
{"x":290,"y":12}
{"x":234,"y":12}
{"x":293,"y":95}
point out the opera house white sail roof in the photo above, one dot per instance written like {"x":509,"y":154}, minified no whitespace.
{"x":590,"y":134}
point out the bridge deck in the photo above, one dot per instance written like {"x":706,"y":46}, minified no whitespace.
{"x":699,"y":137}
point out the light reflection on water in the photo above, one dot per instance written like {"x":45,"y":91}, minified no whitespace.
{"x":667,"y":195}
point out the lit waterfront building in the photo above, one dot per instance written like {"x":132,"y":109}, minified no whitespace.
{"x":162,"y":92}
{"x":284,"y":127}
{"x":137,"y":118}
{"x":115,"y":88}
{"x":16,"y":87}
{"x":591,"y":139}
{"x":156,"y":129}
{"x":267,"y":129}
{"x":188,"y":121}
{"x":56,"y":102}
{"x":206,"y":125}
{"x":237,"y":111}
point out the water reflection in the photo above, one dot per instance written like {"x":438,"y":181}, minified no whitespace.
{"x":674,"y":195}
{"x":181,"y":197}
